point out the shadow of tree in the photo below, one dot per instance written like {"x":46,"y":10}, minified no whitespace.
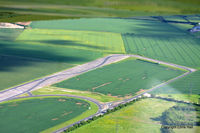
{"x":66,"y":43}
{"x":14,"y":54}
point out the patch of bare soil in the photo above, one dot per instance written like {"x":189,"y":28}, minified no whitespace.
{"x":109,"y":95}
{"x":66,"y":113}
{"x":101,"y":85}
{"x":141,"y":90}
{"x":54,"y":119}
{"x":24,"y":23}
{"x":79,"y":103}
{"x":124,"y":80}
{"x":61,"y":100}
{"x":128,"y":96}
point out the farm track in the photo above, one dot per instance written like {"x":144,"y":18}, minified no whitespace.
{"x":69,"y":73}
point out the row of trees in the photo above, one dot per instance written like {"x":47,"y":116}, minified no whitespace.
{"x":7,"y":15}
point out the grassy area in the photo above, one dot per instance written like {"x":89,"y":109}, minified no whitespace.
{"x":49,"y":52}
{"x":39,"y":113}
{"x":186,"y":88}
{"x":88,"y":40}
{"x":127,"y":77}
{"x":133,"y":118}
{"x":7,"y":16}
{"x":183,"y":27}
{"x":9,"y":34}
{"x":55,"y":90}
{"x":116,"y":25}
{"x":16,"y":70}
{"x":22,"y":60}
{"x":103,"y":8}
{"x":185,"y":97}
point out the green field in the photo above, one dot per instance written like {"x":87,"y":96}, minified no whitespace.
{"x":16,"y":70}
{"x":25,"y":59}
{"x":183,"y":50}
{"x":38,"y":114}
{"x":118,"y":25}
{"x":165,"y":42}
{"x":133,"y":118}
{"x":88,"y":40}
{"x":186,"y":88}
{"x":145,"y":115}
{"x":9,"y":34}
{"x":123,"y":78}
{"x":93,"y":24}
{"x":94,"y":8}
{"x":152,"y":38}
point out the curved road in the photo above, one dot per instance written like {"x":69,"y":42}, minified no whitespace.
{"x":74,"y":96}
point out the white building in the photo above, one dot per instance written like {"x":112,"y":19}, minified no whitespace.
{"x":147,"y":95}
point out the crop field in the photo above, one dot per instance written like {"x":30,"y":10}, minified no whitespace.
{"x":138,"y":117}
{"x":89,"y":40}
{"x":188,"y":87}
{"x":151,"y":38}
{"x":135,"y":25}
{"x":115,"y":25}
{"x":183,"y":27}
{"x":38,"y":114}
{"x":194,"y":18}
{"x":179,"y":49}
{"x":124,"y":78}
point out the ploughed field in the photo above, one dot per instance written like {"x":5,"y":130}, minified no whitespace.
{"x":128,"y":77}
{"x":37,"y":114}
